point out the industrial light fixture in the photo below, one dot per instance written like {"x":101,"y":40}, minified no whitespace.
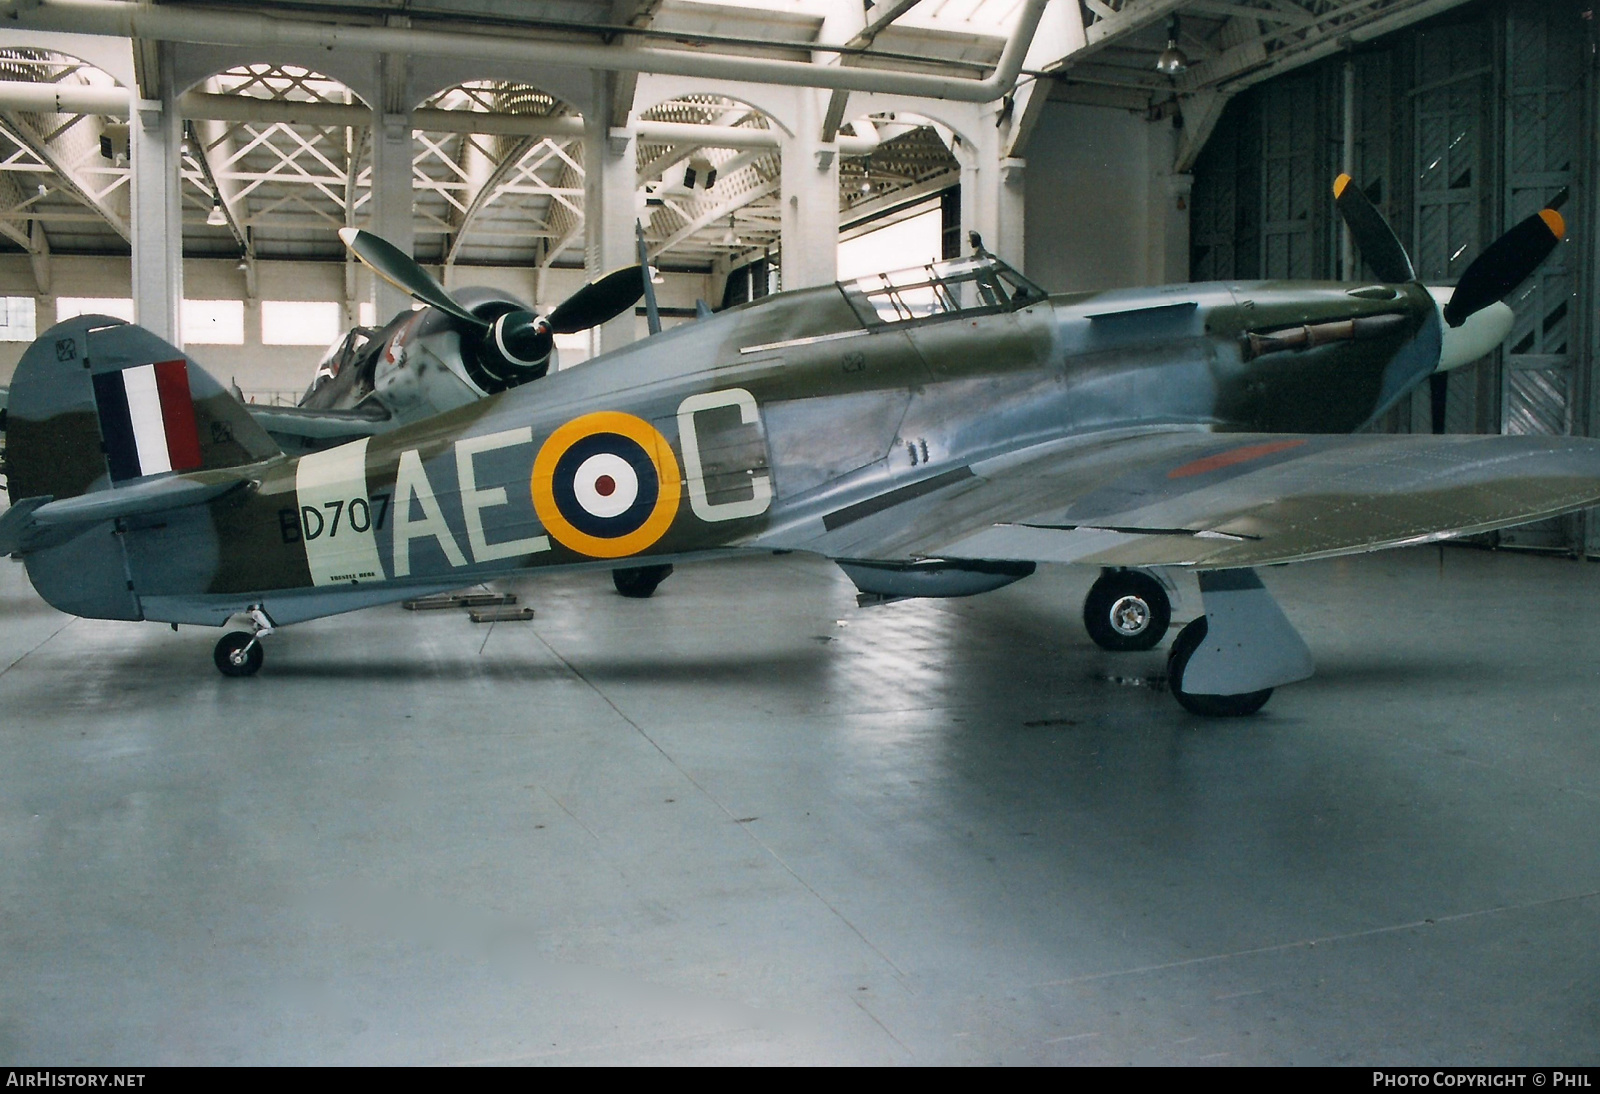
{"x":216,"y":218}
{"x":1172,"y":60}
{"x":730,"y":238}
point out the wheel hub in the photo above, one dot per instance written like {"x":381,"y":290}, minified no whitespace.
{"x":1130,"y":615}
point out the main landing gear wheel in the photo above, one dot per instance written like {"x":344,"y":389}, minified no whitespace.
{"x":238,"y":654}
{"x":1211,"y":706}
{"x":639,"y":582}
{"x":1127,"y":610}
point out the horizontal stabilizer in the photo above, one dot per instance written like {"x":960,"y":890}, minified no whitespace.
{"x":151,"y":496}
{"x":44,"y":521}
{"x":16,"y":522}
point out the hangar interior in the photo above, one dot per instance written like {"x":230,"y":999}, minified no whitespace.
{"x":745,"y":820}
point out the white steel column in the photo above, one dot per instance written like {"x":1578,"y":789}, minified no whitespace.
{"x":391,"y":202}
{"x":809,"y":184}
{"x":1167,"y":219}
{"x":610,"y":167}
{"x":1174,"y":223}
{"x":991,"y":190}
{"x":156,"y":136}
{"x":973,"y":202}
{"x":391,"y":212}
{"x":1006,"y":185}
{"x":1011,"y":213}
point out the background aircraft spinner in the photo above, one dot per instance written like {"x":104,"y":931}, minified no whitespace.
{"x":457,"y":348}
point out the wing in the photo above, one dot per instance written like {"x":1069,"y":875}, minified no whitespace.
{"x":37,"y":522}
{"x":1209,"y":500}
{"x":321,"y":428}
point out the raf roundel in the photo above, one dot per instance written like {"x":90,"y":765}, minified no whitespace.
{"x":606,"y":485}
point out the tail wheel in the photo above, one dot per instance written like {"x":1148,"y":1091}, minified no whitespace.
{"x":1210,"y":706}
{"x":1127,"y":610}
{"x":639,"y":582}
{"x":238,"y":654}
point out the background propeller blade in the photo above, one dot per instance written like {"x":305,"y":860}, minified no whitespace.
{"x":1506,"y":263}
{"x":1379,"y":246}
{"x":652,"y":313}
{"x":598,"y":301}
{"x":399,"y":269}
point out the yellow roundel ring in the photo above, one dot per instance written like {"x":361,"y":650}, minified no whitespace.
{"x":606,"y":485}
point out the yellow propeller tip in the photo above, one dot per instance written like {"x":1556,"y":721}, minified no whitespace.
{"x":1553,"y":221}
{"x":1338,"y":186}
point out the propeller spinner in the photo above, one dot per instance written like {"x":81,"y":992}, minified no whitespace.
{"x":501,"y":347}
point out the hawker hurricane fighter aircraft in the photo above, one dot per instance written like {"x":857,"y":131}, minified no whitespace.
{"x":937,"y":432}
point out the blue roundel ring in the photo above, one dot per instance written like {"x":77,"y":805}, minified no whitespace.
{"x":564,"y":480}
{"x":606,"y":485}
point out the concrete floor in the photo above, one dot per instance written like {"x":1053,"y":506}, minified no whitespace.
{"x":747,"y":822}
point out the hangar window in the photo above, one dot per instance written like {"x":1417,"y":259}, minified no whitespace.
{"x":213,"y":322}
{"x":70,"y":307}
{"x":573,"y":349}
{"x":367,"y":313}
{"x":17,"y":323}
{"x":914,"y":239}
{"x":981,"y":283}
{"x":300,"y":322}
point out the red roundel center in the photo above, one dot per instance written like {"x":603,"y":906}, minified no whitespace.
{"x":605,"y":486}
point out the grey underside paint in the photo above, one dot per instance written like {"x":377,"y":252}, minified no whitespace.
{"x":285,"y":606}
{"x":282,"y":607}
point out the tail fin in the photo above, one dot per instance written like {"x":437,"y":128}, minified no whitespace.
{"x":97,"y":402}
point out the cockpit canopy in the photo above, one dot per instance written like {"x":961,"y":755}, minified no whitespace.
{"x":349,"y":346}
{"x":981,"y":283}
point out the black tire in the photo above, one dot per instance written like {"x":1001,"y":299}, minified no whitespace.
{"x":639,"y":582}
{"x":226,"y":655}
{"x":1209,"y":706}
{"x":1127,"y":610}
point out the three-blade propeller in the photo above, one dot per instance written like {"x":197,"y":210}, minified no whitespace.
{"x":512,"y":344}
{"x":1491,"y":277}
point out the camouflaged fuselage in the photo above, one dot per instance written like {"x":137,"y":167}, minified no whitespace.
{"x":774,"y":425}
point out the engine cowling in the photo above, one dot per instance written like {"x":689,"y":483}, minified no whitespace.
{"x":517,"y":348}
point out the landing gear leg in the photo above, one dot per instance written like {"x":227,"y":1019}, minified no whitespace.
{"x":1127,"y":610}
{"x":238,"y":653}
{"x":1226,"y":663}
